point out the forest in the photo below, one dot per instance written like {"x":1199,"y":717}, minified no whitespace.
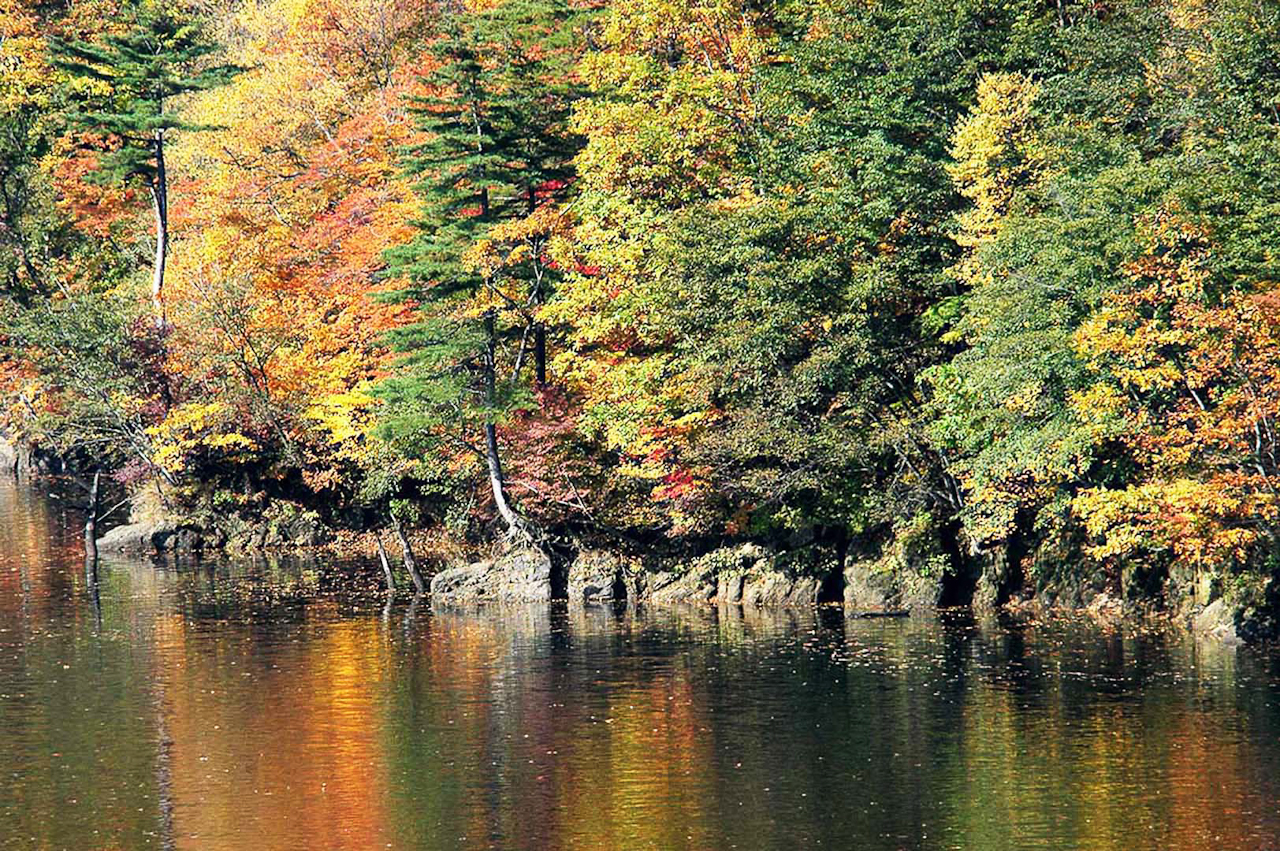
{"x":977,"y":290}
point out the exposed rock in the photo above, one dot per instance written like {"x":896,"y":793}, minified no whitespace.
{"x":870,"y":588}
{"x":636,"y":585}
{"x":1247,"y":612}
{"x":1206,"y":587}
{"x":273,"y":530}
{"x":693,"y":586}
{"x":240,"y":534}
{"x":22,"y":457}
{"x":596,"y":576}
{"x":186,"y":539}
{"x":1217,"y":620}
{"x":994,"y":579}
{"x":775,"y":588}
{"x":303,"y":529}
{"x":1107,"y":610}
{"x":747,"y":575}
{"x":729,"y":587}
{"x":136,"y":538}
{"x":921,"y":593}
{"x":214,"y":538}
{"x":753,"y":588}
{"x":281,"y":526}
{"x":152,"y":538}
{"x":905,"y":573}
{"x":520,"y":577}
{"x":1057,"y":570}
{"x":714,"y":576}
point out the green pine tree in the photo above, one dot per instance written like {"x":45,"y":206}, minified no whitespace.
{"x":497,"y":146}
{"x":159,"y":57}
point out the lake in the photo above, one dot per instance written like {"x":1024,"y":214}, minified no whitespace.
{"x":281,"y":704}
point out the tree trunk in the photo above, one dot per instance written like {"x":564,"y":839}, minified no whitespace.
{"x":515,"y":525}
{"x":386,"y":565}
{"x":160,"y":201}
{"x":514,"y":522}
{"x":540,"y":354}
{"x":91,"y":530}
{"x":539,"y":330}
{"x":410,"y":563}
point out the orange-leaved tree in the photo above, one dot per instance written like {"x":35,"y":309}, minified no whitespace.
{"x":1191,"y":367}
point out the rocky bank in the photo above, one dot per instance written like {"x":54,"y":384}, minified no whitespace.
{"x":906,"y":576}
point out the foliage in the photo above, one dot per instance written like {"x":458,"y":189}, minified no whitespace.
{"x":493,"y":158}
{"x":128,"y":81}
{"x":96,"y":373}
{"x":1192,"y":376}
{"x":686,"y":273}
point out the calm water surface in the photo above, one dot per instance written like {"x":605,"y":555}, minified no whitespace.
{"x":262,"y":706}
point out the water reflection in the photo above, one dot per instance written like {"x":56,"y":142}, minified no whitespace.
{"x":259,"y":705}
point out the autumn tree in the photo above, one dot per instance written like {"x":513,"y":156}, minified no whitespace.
{"x":1114,"y":260}
{"x":100,"y":368}
{"x":1047,"y":219}
{"x":55,"y":276}
{"x":286,"y":208}
{"x":1192,"y":376}
{"x":26,"y":97}
{"x":981,"y":273}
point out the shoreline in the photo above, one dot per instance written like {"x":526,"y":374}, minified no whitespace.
{"x":595,"y":578}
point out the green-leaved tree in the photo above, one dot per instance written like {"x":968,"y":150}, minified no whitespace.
{"x":143,"y":71}
{"x":496,"y":149}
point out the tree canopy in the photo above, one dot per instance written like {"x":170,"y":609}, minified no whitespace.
{"x":800,"y":274}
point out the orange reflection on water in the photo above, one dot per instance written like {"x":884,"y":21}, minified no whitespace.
{"x":1216,"y":798}
{"x":638,"y":776}
{"x":279,"y":747}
